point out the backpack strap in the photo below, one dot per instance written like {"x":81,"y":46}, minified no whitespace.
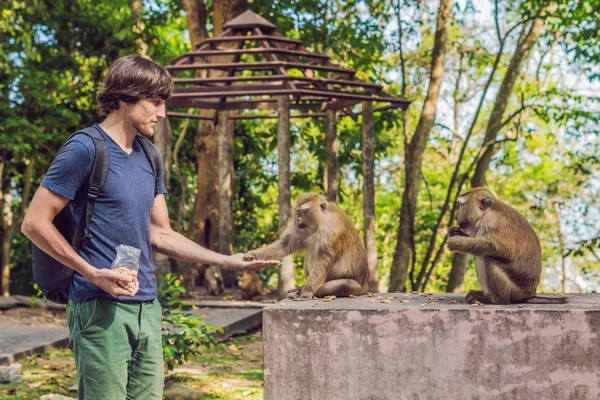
{"x":96,"y":180}
{"x":153,"y":156}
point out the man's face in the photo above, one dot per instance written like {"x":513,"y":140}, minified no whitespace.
{"x":145,"y":114}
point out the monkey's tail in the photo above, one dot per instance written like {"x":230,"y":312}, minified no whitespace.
{"x":547,"y":300}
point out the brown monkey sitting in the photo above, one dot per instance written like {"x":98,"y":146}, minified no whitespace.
{"x":508,"y":255}
{"x":251,"y":286}
{"x":336,"y":259}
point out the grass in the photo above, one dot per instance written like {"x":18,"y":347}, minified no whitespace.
{"x":230,"y":371}
{"x":52,"y":372}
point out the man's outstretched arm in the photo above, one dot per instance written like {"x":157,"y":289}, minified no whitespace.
{"x":173,"y":244}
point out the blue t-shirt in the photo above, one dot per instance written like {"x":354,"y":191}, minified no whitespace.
{"x":121,"y":214}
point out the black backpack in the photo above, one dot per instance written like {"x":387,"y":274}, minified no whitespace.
{"x":53,"y":278}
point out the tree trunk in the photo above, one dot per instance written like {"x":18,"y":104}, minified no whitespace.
{"x":162,"y":135}
{"x":331,"y":166}
{"x":137,"y":9}
{"x":162,"y":140}
{"x":225,"y":135}
{"x":205,"y":219}
{"x":561,"y":244}
{"x":6,"y":238}
{"x":195,"y":13}
{"x":10,"y":219}
{"x":5,"y":217}
{"x":368,"y":147}
{"x":459,"y":260}
{"x":414,"y":153}
{"x":225,"y":10}
{"x":286,"y":269}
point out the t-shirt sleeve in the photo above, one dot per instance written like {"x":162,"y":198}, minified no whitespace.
{"x":69,"y":169}
{"x":161,"y":181}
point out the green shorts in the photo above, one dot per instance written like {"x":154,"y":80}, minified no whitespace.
{"x":118,"y":349}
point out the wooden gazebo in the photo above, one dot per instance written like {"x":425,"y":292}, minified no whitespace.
{"x":251,"y":71}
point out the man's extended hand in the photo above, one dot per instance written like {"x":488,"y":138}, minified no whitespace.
{"x":238,"y":262}
{"x":106,"y":280}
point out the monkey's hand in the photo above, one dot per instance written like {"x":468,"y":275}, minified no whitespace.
{"x":453,"y":243}
{"x":294,"y":293}
{"x":250,"y":256}
{"x":298,"y":294}
{"x":304,"y":297}
{"x":455,"y":231}
{"x":478,"y":295}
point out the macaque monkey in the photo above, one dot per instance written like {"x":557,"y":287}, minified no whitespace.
{"x":336,"y":259}
{"x":251,"y":286}
{"x":508,"y":255}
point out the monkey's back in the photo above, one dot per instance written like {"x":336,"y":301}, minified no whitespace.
{"x":351,"y":261}
{"x":525,"y":264}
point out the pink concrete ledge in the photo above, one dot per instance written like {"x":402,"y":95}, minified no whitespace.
{"x":431,"y":347}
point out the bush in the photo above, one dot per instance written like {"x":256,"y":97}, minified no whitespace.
{"x":183,"y":334}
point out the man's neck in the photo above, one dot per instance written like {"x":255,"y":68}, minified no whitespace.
{"x":120,"y":130}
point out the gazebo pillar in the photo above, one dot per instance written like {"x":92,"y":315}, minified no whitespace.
{"x":286,"y":269}
{"x":368,"y":146}
{"x":331,"y":164}
{"x":225,"y":128}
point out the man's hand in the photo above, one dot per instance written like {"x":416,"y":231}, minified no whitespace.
{"x":242,"y":262}
{"x":106,"y":279}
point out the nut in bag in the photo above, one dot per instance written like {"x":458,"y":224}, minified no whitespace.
{"x":127,"y":262}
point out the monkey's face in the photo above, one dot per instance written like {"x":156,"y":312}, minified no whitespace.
{"x":472,"y":207}
{"x":303,"y":217}
{"x":309,"y":214}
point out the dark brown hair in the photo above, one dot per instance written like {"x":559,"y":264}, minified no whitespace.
{"x":130,"y":79}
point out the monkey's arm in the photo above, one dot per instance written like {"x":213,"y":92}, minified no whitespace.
{"x":476,"y":246}
{"x":286,"y":245}
{"x":317,"y":277}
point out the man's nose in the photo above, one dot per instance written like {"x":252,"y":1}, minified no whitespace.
{"x":162,"y":111}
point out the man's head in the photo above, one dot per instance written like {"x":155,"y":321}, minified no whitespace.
{"x":137,"y":88}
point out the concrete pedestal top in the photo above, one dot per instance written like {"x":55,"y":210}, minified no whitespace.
{"x":418,"y":346}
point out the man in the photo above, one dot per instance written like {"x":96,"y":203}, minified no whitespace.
{"x":116,"y":333}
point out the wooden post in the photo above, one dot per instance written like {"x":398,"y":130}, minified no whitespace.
{"x":286,"y":269}
{"x":225,"y":182}
{"x":331,"y":166}
{"x":368,"y":139}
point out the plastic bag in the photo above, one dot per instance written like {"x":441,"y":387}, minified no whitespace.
{"x":127,"y":262}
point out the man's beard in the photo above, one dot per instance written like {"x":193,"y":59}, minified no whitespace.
{"x":148,"y":132}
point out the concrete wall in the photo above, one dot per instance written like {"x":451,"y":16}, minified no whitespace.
{"x":428,"y":348}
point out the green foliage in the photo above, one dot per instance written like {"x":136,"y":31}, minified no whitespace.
{"x":183,"y":334}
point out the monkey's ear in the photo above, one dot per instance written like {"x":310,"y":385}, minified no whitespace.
{"x":323,"y":205}
{"x":485,"y":203}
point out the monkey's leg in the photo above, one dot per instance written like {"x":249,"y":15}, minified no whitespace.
{"x":502,"y":289}
{"x":341,"y":288}
{"x":478,"y":295}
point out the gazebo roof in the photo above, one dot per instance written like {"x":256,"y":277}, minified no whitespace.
{"x":249,"y":64}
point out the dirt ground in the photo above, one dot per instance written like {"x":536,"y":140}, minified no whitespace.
{"x":41,"y":316}
{"x":27,"y":316}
